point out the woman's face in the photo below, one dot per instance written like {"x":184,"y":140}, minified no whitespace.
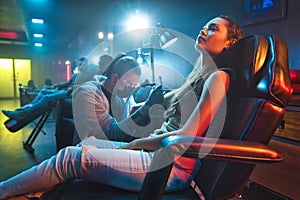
{"x":213,"y":37}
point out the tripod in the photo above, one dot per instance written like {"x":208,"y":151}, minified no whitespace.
{"x":35,"y":132}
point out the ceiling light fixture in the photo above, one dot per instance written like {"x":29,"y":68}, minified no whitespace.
{"x":110,"y":36}
{"x":37,"y":44}
{"x":37,"y":21}
{"x":100,"y":35}
{"x":38,"y":35}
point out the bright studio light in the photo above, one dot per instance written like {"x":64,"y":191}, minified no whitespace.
{"x":137,"y":21}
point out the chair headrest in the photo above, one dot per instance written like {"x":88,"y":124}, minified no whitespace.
{"x":260,"y":64}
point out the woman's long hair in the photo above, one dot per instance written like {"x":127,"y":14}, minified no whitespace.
{"x":194,"y":83}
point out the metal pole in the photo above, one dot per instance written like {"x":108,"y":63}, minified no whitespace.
{"x":152,"y":63}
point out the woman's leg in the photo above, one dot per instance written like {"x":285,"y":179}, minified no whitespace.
{"x":47,"y":98}
{"x":39,"y":103}
{"x":42,"y":93}
{"x":59,"y":168}
{"x":127,"y":167}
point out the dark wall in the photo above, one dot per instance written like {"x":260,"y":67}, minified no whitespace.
{"x":287,"y":29}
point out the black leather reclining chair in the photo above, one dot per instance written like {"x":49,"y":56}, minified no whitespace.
{"x":64,"y":124}
{"x":260,"y":91}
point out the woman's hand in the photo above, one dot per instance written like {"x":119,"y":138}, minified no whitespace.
{"x":136,"y":144}
{"x":148,"y":143}
{"x":129,"y":145}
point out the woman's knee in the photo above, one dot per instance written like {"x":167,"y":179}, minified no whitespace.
{"x":68,"y":162}
{"x":69,"y":153}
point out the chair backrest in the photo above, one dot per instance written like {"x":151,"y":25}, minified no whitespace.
{"x":259,"y":92}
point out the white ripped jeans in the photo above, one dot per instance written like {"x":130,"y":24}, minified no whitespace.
{"x":94,"y":160}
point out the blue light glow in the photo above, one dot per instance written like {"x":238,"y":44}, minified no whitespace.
{"x":262,"y":85}
{"x":268,"y":3}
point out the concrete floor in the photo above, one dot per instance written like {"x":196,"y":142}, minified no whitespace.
{"x":13,"y":157}
{"x":282,"y":177}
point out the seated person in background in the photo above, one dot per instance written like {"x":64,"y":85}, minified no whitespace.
{"x":56,"y":92}
{"x":91,"y":71}
{"x":128,"y":163}
{"x":104,"y":61}
{"x":98,"y":105}
{"x":47,"y":84}
{"x":86,"y":71}
{"x":31,"y":86}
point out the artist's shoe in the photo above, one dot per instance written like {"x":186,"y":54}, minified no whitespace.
{"x":16,"y":115}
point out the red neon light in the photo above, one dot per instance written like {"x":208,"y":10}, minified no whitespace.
{"x":9,"y":35}
{"x":295,"y":75}
{"x":68,"y":72}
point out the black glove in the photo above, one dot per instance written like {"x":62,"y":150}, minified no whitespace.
{"x":141,"y":116}
{"x":156,"y":96}
{"x":142,"y":94}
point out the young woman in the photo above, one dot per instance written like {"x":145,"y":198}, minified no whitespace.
{"x":99,"y":160}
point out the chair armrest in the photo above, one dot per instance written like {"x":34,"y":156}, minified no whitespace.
{"x":200,"y":148}
{"x":224,"y":149}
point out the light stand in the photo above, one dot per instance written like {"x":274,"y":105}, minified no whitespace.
{"x":152,"y":64}
{"x":166,"y":38}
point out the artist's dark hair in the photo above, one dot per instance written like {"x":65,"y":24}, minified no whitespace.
{"x":122,"y":64}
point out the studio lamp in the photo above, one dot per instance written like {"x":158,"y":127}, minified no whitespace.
{"x":166,"y":38}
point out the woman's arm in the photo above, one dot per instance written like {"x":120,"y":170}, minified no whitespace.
{"x":212,"y":97}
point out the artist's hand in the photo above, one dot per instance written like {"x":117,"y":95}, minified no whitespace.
{"x":141,"y":143}
{"x":148,"y":143}
{"x":156,"y":96}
